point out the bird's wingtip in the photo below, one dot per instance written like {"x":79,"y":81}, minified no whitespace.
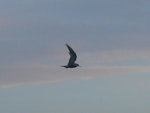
{"x":66,"y":44}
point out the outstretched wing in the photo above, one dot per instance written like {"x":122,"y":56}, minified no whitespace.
{"x":72,"y":54}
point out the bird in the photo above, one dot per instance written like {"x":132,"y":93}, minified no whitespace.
{"x":73,"y":57}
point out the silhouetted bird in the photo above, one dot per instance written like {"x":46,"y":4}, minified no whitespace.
{"x":73,"y":57}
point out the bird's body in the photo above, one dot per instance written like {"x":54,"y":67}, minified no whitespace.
{"x":73,"y":57}
{"x":71,"y":66}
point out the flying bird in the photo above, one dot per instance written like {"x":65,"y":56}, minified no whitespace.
{"x":73,"y":57}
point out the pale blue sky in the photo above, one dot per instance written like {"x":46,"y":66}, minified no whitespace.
{"x":111,"y":38}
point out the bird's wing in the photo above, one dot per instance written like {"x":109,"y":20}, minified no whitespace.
{"x":72,"y":54}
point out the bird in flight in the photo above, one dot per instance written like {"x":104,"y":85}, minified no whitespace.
{"x":73,"y":57}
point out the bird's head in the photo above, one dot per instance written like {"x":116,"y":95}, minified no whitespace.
{"x":77,"y":65}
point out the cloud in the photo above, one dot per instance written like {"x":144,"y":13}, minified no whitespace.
{"x":115,"y":56}
{"x":37,"y":74}
{"x":32,"y":30}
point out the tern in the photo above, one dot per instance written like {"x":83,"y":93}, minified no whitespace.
{"x":73,"y":57}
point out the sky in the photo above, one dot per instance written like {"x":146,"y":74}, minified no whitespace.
{"x":110,"y":37}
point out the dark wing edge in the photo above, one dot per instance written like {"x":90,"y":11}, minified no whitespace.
{"x":73,"y":55}
{"x":71,"y":51}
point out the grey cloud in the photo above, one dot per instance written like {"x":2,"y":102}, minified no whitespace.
{"x":116,"y":56}
{"x":99,"y":30}
{"x":114,"y":23}
{"x":36,"y":74}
